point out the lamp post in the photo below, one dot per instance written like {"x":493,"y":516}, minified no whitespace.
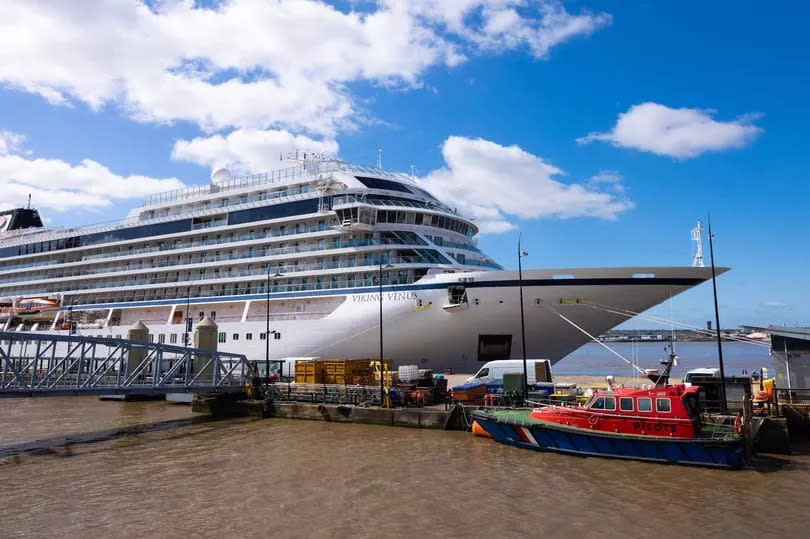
{"x":267,"y":329}
{"x":380,"y":279}
{"x":521,"y":254}
{"x":188,"y":315}
{"x":724,"y":402}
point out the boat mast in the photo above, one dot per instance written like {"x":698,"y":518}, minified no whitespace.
{"x":723,"y":403}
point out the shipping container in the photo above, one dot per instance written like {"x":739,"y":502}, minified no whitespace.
{"x":309,"y":372}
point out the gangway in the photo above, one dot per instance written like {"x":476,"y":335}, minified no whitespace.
{"x":41,"y":364}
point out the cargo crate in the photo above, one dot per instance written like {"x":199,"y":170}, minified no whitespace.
{"x":343,"y":371}
{"x":309,"y":372}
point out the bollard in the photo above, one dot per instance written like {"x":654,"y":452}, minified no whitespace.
{"x":205,"y":338}
{"x":138,"y":333}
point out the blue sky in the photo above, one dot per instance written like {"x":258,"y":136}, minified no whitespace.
{"x":487,"y":99}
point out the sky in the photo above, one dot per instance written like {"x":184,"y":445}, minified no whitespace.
{"x":599,"y":131}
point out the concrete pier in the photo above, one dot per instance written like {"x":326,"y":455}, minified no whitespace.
{"x":453,"y":418}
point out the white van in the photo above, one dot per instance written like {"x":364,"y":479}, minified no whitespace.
{"x":538,"y":370}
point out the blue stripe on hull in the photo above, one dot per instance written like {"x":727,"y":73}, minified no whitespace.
{"x":680,"y":451}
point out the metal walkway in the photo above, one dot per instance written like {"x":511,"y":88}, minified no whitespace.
{"x":40,"y":364}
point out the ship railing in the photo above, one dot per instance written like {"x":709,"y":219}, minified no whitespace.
{"x":137,"y":296}
{"x":456,"y":245}
{"x":258,"y":253}
{"x":137,"y":221}
{"x":301,"y":268}
{"x":227,"y":203}
{"x":310,"y":169}
{"x":184,"y":245}
{"x":352,"y":199}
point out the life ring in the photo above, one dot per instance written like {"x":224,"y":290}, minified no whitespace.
{"x":738,"y":425}
{"x":593,"y":419}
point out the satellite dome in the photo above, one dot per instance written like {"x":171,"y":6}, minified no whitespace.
{"x":221,"y":175}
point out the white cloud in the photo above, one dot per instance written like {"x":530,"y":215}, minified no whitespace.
{"x":252,"y":149}
{"x":606,"y":178}
{"x":680,"y":133}
{"x":776,"y":305}
{"x":10,"y":141}
{"x":508,"y":24}
{"x":490,"y":182}
{"x":255,"y":63}
{"x":60,"y":186}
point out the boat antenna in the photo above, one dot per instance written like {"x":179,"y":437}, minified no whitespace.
{"x":723,"y":402}
{"x":671,"y":359}
{"x":29,"y":201}
{"x":697,"y":237}
{"x":379,"y":158}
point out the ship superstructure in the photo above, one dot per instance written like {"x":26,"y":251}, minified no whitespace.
{"x":308,"y":247}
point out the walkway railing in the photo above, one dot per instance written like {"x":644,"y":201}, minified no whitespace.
{"x":34,"y":364}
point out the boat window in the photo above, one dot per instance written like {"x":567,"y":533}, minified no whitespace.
{"x":248,"y":336}
{"x":604,"y":403}
{"x":221,"y":336}
{"x":663,"y":405}
{"x":626,"y":404}
{"x":644,"y":404}
{"x":236,"y":336}
{"x":483,"y":373}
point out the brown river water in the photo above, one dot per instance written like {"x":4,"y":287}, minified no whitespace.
{"x":80,"y":467}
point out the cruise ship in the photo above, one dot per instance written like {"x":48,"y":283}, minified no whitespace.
{"x":311,"y":247}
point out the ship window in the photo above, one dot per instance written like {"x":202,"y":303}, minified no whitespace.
{"x":644,"y":404}
{"x":626,"y":404}
{"x":173,"y":338}
{"x":262,"y":336}
{"x":604,"y":403}
{"x":236,"y":336}
{"x":248,"y":336}
{"x":222,"y":336}
{"x":161,"y":338}
{"x":663,"y":405}
{"x":378,"y":183}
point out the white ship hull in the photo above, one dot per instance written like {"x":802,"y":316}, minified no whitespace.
{"x":419,"y":325}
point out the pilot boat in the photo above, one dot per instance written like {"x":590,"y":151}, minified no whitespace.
{"x":660,"y":424}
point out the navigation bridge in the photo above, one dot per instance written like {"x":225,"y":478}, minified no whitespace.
{"x":39,"y":364}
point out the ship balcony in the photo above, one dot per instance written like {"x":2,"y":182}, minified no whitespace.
{"x":224,"y":277}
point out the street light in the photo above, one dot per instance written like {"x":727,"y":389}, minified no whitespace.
{"x":382,"y":379}
{"x":267,"y":330}
{"x":521,"y":254}
{"x":724,"y":402}
{"x":188,"y":315}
